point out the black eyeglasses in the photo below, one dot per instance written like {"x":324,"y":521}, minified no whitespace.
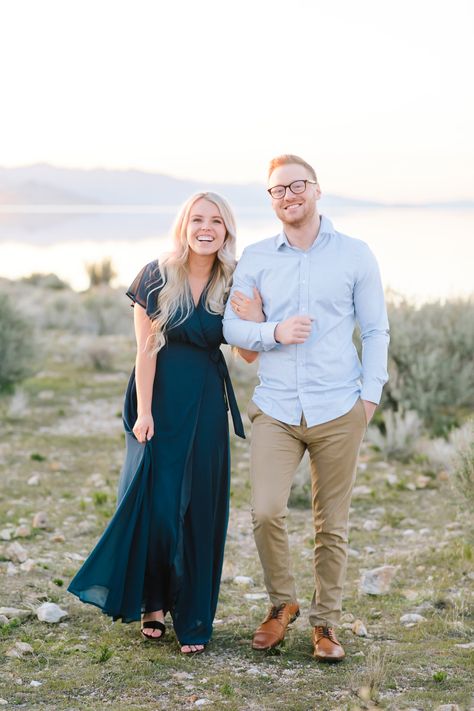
{"x":296,"y":187}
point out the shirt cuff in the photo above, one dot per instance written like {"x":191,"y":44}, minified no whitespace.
{"x":371,"y":392}
{"x":267,"y":334}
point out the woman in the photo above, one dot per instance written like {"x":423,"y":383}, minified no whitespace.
{"x":163,"y":549}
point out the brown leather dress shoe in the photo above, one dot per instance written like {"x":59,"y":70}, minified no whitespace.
{"x":326,"y":646}
{"x":272,"y":630}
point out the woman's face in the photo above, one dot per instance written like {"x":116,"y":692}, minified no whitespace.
{"x":206,"y":230}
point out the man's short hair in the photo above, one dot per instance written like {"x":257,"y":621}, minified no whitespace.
{"x":288,"y":159}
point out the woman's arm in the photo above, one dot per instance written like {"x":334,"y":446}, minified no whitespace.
{"x":145,"y":367}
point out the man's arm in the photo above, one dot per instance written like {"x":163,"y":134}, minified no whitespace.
{"x":371,"y":314}
{"x":249,"y":335}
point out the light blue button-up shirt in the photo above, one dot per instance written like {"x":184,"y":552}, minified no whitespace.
{"x":336,"y":282}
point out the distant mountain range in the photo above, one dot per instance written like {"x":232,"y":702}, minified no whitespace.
{"x":44,"y":184}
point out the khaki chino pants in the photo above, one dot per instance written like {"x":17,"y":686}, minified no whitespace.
{"x":275,"y":452}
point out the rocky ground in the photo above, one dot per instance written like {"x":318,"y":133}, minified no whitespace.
{"x":408,"y":627}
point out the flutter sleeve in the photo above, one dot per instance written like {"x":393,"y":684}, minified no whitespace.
{"x":145,"y":287}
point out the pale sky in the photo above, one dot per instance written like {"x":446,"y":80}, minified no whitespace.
{"x":378,"y":96}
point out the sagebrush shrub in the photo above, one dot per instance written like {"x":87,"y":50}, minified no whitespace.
{"x":431,"y":363}
{"x":17,"y":346}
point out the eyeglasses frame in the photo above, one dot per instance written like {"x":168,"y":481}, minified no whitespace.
{"x":300,"y":180}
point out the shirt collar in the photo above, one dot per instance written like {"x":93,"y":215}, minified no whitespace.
{"x":325,"y":228}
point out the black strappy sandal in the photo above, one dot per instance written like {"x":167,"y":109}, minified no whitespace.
{"x":153,"y":625}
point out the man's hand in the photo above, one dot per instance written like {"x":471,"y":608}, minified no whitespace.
{"x":295,"y":329}
{"x":369,"y":408}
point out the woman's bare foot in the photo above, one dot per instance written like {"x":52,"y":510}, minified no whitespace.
{"x":152,"y":617}
{"x":192,"y":648}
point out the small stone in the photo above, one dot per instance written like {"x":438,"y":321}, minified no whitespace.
{"x":364,"y":693}
{"x":468,"y":645}
{"x":5,"y":534}
{"x":412,"y":618}
{"x":255,"y":596}
{"x":50,"y":612}
{"x":244,"y":580}
{"x":3,"y":702}
{"x":378,"y":580}
{"x":203,"y":702}
{"x":3,"y":620}
{"x":34,"y":480}
{"x":19,"y":650}
{"x":371,"y":525}
{"x":347,"y":617}
{"x":422,"y":481}
{"x":448,"y":707}
{"x":361,"y":490}
{"x":40,"y":520}
{"x":16,"y":553}
{"x":58,"y":538}
{"x":359,"y":654}
{"x":391,"y":479}
{"x":35,"y":683}
{"x":254,"y":671}
{"x":408,"y":532}
{"x":359,"y":629}
{"x":353,"y":553}
{"x":22,"y":531}
{"x":370,"y":550}
{"x":28,"y":565}
{"x":11,"y":569}
{"x":11,"y":612}
{"x":181,"y":676}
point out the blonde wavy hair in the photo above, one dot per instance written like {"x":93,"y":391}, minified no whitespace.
{"x":175,"y":295}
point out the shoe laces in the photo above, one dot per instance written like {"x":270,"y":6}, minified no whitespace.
{"x":276,"y":611}
{"x":327,"y":632}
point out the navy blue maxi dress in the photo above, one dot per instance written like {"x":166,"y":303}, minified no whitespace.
{"x":164,"y":546}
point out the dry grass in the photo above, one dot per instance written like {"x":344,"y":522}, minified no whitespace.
{"x":87,"y":662}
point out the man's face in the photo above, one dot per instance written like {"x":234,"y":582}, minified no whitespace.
{"x":291,"y":209}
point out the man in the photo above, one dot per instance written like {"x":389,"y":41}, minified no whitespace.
{"x":314,"y":393}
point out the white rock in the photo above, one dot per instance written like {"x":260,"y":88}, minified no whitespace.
{"x":448,"y":707}
{"x":370,"y":550}
{"x":203,"y":702}
{"x":361,"y":490}
{"x":425,"y":531}
{"x":16,"y":553}
{"x":347,"y":617}
{"x":35,"y":683}
{"x":392,"y":479}
{"x":3,"y":702}
{"x":34,"y":480}
{"x":359,"y":628}
{"x":22,"y":531}
{"x":3,"y":620}
{"x":468,"y":645}
{"x":255,"y":596}
{"x":408,"y":532}
{"x":11,"y":569}
{"x":50,"y":612}
{"x":28,"y":565}
{"x":40,"y":520}
{"x":412,"y":618}
{"x":12,"y":612}
{"x":5,"y":534}
{"x":19,"y":650}
{"x":183,"y":675}
{"x":371,"y":525}
{"x":244,"y":580}
{"x":353,"y":553}
{"x":378,"y":580}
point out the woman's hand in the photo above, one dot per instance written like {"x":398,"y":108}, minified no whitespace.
{"x":246,"y":308}
{"x":143,"y":429}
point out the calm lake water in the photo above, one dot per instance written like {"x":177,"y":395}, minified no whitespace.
{"x":424,"y":254}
